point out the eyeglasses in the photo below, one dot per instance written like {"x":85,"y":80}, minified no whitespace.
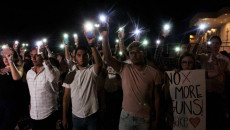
{"x":186,"y":62}
{"x":135,"y":52}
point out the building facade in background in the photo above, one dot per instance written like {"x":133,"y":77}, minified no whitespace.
{"x":218,"y":23}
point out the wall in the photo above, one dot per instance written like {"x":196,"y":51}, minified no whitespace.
{"x":224,"y":38}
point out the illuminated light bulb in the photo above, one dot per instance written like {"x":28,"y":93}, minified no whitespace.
{"x":209,"y":43}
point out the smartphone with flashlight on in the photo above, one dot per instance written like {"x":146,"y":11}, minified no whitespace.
{"x":103,"y":27}
{"x":39,"y":47}
{"x":103,"y":23}
{"x":5,"y":50}
{"x":89,"y":30}
{"x":66,"y":38}
{"x":89,"y":34}
{"x":121,"y":31}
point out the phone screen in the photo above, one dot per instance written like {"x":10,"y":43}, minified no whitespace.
{"x":89,"y":34}
{"x":66,"y":40}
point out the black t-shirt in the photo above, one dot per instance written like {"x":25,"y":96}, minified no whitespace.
{"x":10,"y":89}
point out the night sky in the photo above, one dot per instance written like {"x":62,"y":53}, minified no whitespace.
{"x":31,"y":21}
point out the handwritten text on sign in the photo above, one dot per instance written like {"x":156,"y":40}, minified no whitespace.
{"x":187,"y":90}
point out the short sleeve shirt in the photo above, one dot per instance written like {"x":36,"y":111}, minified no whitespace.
{"x":83,"y":92}
{"x":138,"y":89}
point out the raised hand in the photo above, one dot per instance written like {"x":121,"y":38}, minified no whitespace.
{"x":9,"y":57}
{"x":136,"y":38}
{"x":89,"y":40}
{"x":121,"y":35}
{"x":104,"y":32}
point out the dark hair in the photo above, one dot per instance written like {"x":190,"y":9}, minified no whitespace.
{"x":54,"y":62}
{"x":2,"y":65}
{"x":27,"y":54}
{"x":81,"y":48}
{"x":215,"y":37}
{"x":15,"y":57}
{"x":225,"y":53}
{"x":61,"y":54}
{"x":185,"y":55}
{"x":135,"y":44}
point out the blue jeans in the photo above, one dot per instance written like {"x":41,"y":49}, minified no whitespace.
{"x":87,"y":123}
{"x":129,"y":122}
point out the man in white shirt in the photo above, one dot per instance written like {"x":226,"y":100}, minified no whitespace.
{"x":82,"y":91}
{"x":42,"y":81}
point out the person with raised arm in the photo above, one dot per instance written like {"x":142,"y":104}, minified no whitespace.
{"x":42,"y":81}
{"x":80,"y":89}
{"x":10,"y":90}
{"x":141,"y":86}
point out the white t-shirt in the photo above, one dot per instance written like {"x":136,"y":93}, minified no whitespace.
{"x":84,"y":92}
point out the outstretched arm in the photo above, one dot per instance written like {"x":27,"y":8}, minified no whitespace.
{"x":117,"y":65}
{"x":96,"y":55}
{"x":16,"y":73}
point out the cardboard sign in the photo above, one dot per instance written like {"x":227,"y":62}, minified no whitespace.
{"x":187,"y":90}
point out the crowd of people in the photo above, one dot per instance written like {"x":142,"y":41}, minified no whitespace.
{"x":91,"y":87}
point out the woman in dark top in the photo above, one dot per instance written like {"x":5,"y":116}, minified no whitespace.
{"x":10,"y":93}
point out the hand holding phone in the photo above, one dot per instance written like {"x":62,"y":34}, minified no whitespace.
{"x":90,"y":34}
{"x":6,"y":50}
{"x":89,"y":30}
{"x":66,"y":38}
